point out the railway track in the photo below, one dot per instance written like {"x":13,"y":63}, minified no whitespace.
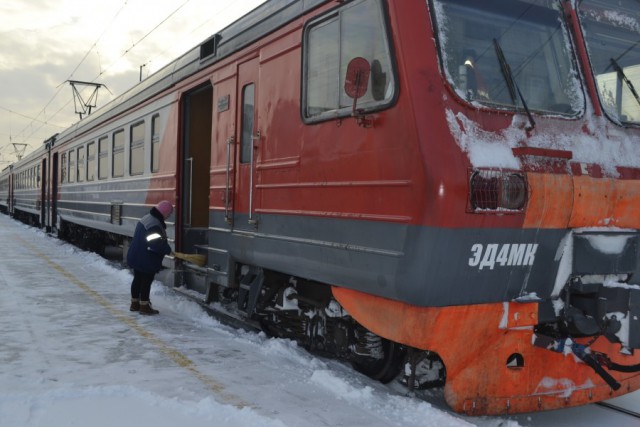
{"x":591,"y":417}
{"x":620,"y":409}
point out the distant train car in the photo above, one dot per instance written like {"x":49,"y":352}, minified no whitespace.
{"x":103,"y":188}
{"x":28,"y":188}
{"x":451,"y":187}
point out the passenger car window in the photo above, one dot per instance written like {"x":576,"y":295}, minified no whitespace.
{"x":155,"y":143}
{"x":136,"y":150}
{"x":103,"y":158}
{"x":81,"y":160}
{"x":91,"y":161}
{"x":118,"y":154}
{"x":248,"y":112}
{"x":63,"y":168}
{"x":72,"y":166}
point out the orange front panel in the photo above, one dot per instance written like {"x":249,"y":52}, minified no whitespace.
{"x":475,"y":343}
{"x":606,"y":203}
{"x":550,"y":202}
{"x":564,"y":201}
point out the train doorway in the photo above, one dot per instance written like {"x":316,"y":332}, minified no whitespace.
{"x":11,"y":201}
{"x":53,"y":220}
{"x":44,"y":203}
{"x":197,"y":108}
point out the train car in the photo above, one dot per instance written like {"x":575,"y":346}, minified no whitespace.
{"x":107,"y":171}
{"x":28,"y":186}
{"x":451,"y":187}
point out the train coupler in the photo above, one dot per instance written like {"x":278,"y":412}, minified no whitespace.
{"x":604,"y":360}
{"x":590,"y":359}
{"x":594,"y":359}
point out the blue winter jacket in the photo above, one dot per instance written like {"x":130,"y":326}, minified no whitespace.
{"x":149,"y":244}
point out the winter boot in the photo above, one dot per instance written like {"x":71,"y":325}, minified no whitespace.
{"x":147,"y":309}
{"x":135,"y":304}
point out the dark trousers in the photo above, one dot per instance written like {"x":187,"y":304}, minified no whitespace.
{"x":141,"y":285}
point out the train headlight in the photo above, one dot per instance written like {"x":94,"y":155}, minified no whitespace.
{"x":497,"y":190}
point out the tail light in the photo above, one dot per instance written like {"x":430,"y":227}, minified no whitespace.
{"x":496,"y":190}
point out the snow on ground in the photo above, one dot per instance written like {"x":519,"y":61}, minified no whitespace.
{"x":71,"y":354}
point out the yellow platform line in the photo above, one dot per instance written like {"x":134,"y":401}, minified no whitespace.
{"x":172,"y":353}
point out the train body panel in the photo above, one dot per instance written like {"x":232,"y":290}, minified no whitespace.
{"x":415,"y":161}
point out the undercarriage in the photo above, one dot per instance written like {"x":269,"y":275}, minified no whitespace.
{"x":306,"y":312}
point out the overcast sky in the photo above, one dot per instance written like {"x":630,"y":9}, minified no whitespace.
{"x":44,"y":43}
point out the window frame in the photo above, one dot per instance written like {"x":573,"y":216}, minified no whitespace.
{"x":81,"y":168}
{"x":63,"y":168}
{"x":246,"y":146}
{"x":103,"y":139}
{"x":91,"y":164}
{"x":155,"y":143}
{"x":342,"y":112}
{"x":140,"y":144}
{"x":73,"y":158}
{"x":613,"y":114}
{"x":516,"y":108}
{"x":121,"y":151}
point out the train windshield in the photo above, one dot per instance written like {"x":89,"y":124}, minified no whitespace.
{"x":509,"y":54}
{"x":612,"y":33}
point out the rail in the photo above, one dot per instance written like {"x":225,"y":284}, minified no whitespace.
{"x":619,"y":409}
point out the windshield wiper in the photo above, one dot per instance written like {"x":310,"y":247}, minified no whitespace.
{"x":622,"y":76}
{"x":511,"y":83}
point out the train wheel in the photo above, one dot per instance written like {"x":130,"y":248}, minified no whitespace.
{"x":423,"y":370}
{"x":386,"y":368}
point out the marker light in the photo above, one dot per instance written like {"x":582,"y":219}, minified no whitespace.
{"x":496,"y":190}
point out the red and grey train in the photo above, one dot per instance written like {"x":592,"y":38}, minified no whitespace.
{"x":448,"y":187}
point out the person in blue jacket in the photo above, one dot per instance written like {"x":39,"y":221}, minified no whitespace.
{"x":148,"y":247}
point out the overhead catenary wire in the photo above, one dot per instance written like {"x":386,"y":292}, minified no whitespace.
{"x":59,"y":88}
{"x":140,"y":40}
{"x":33,"y":119}
{"x":193,"y":30}
{"x":33,"y":130}
{"x":102,"y":71}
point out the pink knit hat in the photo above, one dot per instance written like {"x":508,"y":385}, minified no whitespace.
{"x":165,"y":208}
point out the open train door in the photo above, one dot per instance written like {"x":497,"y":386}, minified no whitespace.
{"x":197,"y":121}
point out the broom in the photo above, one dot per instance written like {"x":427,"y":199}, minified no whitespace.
{"x":197,"y":259}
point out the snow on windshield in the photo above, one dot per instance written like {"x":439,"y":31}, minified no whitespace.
{"x":599,"y":142}
{"x":612,"y":34}
{"x":538,"y":61}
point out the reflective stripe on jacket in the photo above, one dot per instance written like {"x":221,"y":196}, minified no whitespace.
{"x":149,"y":244}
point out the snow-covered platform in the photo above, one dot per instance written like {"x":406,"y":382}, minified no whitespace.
{"x":71,"y":353}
